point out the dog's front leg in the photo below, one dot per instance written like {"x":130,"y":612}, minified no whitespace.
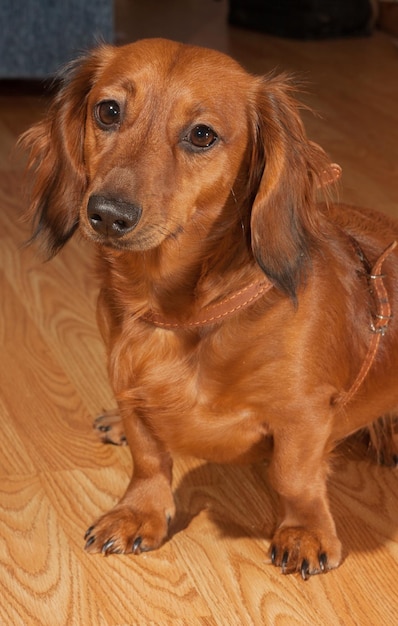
{"x":140,"y":521}
{"x":305,"y":540}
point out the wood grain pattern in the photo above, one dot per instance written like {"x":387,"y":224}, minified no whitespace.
{"x":55,"y":476}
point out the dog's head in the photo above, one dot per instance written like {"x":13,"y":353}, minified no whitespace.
{"x":150,"y":141}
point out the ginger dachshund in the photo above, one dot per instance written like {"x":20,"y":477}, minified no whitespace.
{"x":245,"y":318}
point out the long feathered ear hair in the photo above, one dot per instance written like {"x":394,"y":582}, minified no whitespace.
{"x":56,"y":161}
{"x":288,"y":169}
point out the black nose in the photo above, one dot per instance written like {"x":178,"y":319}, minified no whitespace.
{"x":112,"y":218}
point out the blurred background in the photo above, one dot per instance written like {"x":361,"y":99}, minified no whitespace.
{"x":40,"y":35}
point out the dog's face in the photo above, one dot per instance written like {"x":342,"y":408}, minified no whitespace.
{"x":164,"y":146}
{"x":157,"y":142}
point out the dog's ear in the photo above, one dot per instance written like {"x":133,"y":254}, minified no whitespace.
{"x":287,"y":171}
{"x":56,"y":160}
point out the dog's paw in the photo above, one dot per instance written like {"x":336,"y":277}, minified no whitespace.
{"x":109,"y":428}
{"x":124,"y":530}
{"x":299,"y":550}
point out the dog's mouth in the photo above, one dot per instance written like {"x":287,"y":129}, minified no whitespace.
{"x":137,"y":242}
{"x":114,"y":244}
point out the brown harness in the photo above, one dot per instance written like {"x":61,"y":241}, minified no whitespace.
{"x":246,"y":296}
{"x":381,"y":316}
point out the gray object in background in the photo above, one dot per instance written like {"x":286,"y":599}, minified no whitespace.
{"x":39,"y":36}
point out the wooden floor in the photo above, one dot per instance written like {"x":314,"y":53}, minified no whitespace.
{"x":56,"y":478}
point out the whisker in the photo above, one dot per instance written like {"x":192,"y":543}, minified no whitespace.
{"x":242,"y":224}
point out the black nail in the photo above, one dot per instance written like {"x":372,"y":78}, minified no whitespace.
{"x":285,"y":559}
{"x":89,"y":542}
{"x":305,"y":569}
{"x":107,"y":545}
{"x":274,"y":553}
{"x":323,"y":561}
{"x":136,"y":544}
{"x":88,"y":532}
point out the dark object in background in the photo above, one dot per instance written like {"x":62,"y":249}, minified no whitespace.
{"x":38,"y":36}
{"x":304,"y":19}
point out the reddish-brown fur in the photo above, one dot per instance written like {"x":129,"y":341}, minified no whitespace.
{"x":268,"y":381}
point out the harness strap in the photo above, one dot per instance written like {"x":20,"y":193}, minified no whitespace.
{"x":379,"y":323}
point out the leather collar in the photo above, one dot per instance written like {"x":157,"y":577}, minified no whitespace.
{"x":216,"y":312}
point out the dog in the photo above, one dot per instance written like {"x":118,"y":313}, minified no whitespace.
{"x":246,"y":316}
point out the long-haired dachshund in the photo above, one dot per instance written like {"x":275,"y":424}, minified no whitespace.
{"x":244,"y":320}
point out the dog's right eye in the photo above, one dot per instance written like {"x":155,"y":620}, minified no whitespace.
{"x":107,"y":114}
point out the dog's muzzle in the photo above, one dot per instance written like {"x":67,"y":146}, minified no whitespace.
{"x":112,"y":218}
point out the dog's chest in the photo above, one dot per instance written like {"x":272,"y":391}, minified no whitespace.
{"x":200,"y":395}
{"x":207,"y":369}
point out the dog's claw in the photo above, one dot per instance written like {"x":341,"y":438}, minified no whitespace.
{"x":136,"y":545}
{"x":285,"y":559}
{"x":106,"y":548}
{"x":88,"y":532}
{"x":323,"y":561}
{"x":89,"y":542}
{"x":305,"y":570}
{"x":273,"y":555}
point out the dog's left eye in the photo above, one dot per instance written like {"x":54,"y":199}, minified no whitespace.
{"x":107,"y":114}
{"x":202,"y":136}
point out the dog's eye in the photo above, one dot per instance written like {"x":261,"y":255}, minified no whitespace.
{"x":202,"y":136}
{"x":107,"y":114}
